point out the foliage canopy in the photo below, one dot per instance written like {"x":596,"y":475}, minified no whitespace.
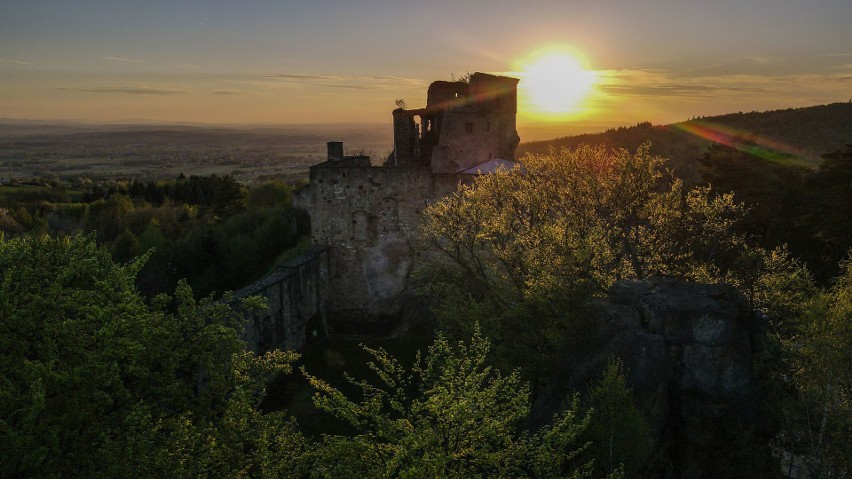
{"x":452,"y":415}
{"x":94,"y":382}
{"x":521,"y":250}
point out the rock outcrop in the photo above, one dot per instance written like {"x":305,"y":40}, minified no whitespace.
{"x":688,"y":350}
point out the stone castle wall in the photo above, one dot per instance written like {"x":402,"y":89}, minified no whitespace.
{"x":470,"y":138}
{"x":296,"y":297}
{"x":463,"y":125}
{"x":480,"y":127}
{"x":367,"y":217}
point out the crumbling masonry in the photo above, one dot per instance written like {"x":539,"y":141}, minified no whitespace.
{"x":367,"y":215}
{"x":463,"y":125}
{"x":364,"y":217}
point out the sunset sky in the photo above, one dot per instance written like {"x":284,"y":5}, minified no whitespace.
{"x":323,"y":61}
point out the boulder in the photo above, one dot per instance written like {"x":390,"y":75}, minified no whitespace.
{"x":688,"y":352}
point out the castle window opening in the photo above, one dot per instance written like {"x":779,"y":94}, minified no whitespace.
{"x":468,"y":127}
{"x":487,"y":126}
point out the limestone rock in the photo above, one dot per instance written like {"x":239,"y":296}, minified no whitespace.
{"x":688,"y":351}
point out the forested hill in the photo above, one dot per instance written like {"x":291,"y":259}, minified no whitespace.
{"x":799,"y":134}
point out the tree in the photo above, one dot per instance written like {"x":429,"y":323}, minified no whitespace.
{"x":521,"y":250}
{"x":227,"y":196}
{"x":618,"y":433}
{"x":126,"y":246}
{"x":94,"y":382}
{"x":452,"y":415}
{"x":818,"y":355}
{"x":269,"y":194}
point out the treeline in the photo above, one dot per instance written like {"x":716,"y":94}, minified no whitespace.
{"x":211,"y":230}
{"x":809,"y":211}
{"x":222,"y":193}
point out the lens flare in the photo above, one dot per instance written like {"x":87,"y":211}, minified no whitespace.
{"x":750,"y":143}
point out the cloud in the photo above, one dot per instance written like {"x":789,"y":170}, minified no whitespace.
{"x":296,"y":76}
{"x":351,"y":86}
{"x":669,"y":90}
{"x":756,"y":59}
{"x":127,"y":90}
{"x":658,"y":86}
{"x":731,"y":66}
{"x":352,"y":82}
{"x":226,"y":92}
{"x":15,"y":62}
{"x":122,"y":59}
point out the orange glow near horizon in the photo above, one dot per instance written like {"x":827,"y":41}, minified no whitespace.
{"x":555,"y":85}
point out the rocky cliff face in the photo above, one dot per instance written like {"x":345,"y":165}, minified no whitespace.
{"x":689,"y":351}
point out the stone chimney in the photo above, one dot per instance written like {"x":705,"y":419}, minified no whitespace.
{"x":335,"y":150}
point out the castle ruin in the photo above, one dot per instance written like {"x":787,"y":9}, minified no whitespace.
{"x":363,"y":217}
{"x":366,"y":215}
{"x":463,"y":125}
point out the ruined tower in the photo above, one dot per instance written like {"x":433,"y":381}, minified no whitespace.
{"x":464,"y":124}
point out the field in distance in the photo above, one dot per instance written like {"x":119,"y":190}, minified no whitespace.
{"x":149,"y":152}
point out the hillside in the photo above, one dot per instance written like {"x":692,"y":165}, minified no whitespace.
{"x":800,"y":134}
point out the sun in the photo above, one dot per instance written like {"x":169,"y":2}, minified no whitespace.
{"x":555,"y":83}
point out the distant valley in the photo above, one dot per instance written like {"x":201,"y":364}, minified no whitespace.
{"x":148,"y":152}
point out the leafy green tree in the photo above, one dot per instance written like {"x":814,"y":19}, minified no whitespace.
{"x":521,"y":250}
{"x":779,"y":286}
{"x":7,"y":222}
{"x":618,"y":433}
{"x":451,"y":415}
{"x":177,"y":219}
{"x":815,"y":222}
{"x":228,"y":197}
{"x":106,"y":216}
{"x":126,"y":246}
{"x":94,"y":382}
{"x":269,"y":194}
{"x":818,"y":351}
